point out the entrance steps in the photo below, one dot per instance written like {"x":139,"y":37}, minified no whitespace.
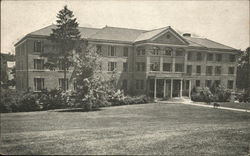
{"x":177,"y":100}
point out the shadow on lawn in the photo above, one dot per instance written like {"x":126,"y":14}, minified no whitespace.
{"x":75,"y":110}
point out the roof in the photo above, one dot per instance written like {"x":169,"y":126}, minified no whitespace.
{"x":131,"y":35}
{"x":85,"y":32}
{"x":117,"y":34}
{"x":203,"y":42}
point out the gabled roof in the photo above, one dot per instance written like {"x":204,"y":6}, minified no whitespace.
{"x":131,"y":36}
{"x":203,"y":42}
{"x":117,"y":34}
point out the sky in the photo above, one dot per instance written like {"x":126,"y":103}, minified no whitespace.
{"x":226,"y":22}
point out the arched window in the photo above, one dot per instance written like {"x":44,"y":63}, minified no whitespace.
{"x":168,"y":51}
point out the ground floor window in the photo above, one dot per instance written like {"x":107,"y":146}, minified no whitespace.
{"x":198,"y":83}
{"x":38,"y":84}
{"x":125,"y":85}
{"x":230,"y":84}
{"x":63,"y":83}
{"x":217,"y":83}
{"x":112,"y":66}
{"x":140,"y":84}
{"x":208,"y":83}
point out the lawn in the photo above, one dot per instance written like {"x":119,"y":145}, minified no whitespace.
{"x":152,"y":129}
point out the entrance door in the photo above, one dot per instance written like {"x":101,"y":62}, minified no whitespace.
{"x":176,"y":88}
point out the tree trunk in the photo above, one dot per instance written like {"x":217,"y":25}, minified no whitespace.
{"x":64,"y":75}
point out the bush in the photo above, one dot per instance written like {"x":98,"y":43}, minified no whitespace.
{"x":29,"y":103}
{"x":9,"y":100}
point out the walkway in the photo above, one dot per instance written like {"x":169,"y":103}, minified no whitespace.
{"x":189,"y":102}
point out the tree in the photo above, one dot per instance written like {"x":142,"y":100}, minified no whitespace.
{"x":66,"y":36}
{"x":243,"y":71}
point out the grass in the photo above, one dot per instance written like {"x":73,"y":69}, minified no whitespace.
{"x":241,"y":105}
{"x":152,"y":129}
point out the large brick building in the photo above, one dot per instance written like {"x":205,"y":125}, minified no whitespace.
{"x":159,"y":62}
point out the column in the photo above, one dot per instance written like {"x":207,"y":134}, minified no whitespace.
{"x":189,"y":92}
{"x":164,"y":89}
{"x":181,"y":89}
{"x":155,"y":89}
{"x":171,"y":90}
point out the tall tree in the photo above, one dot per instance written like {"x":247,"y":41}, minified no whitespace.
{"x":66,"y":36}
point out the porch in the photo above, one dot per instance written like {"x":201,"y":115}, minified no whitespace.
{"x":169,"y":87}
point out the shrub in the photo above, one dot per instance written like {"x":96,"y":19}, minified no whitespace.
{"x":9,"y":100}
{"x":29,"y":103}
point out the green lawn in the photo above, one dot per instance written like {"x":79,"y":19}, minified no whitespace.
{"x":169,"y":129}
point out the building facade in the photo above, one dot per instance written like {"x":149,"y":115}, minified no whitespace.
{"x":159,"y":63}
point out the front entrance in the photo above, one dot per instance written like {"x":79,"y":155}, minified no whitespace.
{"x":168,"y":88}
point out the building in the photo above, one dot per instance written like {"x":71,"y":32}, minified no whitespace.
{"x":159,"y":62}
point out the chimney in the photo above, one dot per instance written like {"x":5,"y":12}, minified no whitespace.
{"x":186,"y":35}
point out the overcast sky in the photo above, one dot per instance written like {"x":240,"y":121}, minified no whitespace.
{"x":226,"y":22}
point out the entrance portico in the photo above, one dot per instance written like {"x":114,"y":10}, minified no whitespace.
{"x":169,"y":87}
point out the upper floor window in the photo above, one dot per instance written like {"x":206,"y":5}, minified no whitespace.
{"x":232,"y":58}
{"x":38,"y":46}
{"x":168,"y":51}
{"x":209,"y":70}
{"x":198,"y":56}
{"x":155,"y":66}
{"x":218,"y":57}
{"x":218,"y":70}
{"x":63,"y":83}
{"x":155,"y":51}
{"x":38,"y":84}
{"x":39,"y":64}
{"x":230,"y":70}
{"x":125,"y":51}
{"x":99,"y":49}
{"x":167,"y":67}
{"x":179,"y":67}
{"x":198,"y":70}
{"x":189,"y":69}
{"x":112,"y":51}
{"x":140,"y":51}
{"x":210,"y":57}
{"x":125,"y":66}
{"x":112,"y":66}
{"x":179,"y":52}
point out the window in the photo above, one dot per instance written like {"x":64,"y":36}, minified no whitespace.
{"x":198,"y":83}
{"x":61,"y":65}
{"x":179,"y":52}
{"x":140,"y":52}
{"x":190,"y":56}
{"x":125,"y":51}
{"x":198,"y":56}
{"x":168,"y":51}
{"x":230,"y":70}
{"x":210,"y":57}
{"x":112,"y":51}
{"x":218,"y":70}
{"x":63,"y":83}
{"x":232,"y":58}
{"x":38,"y":46}
{"x":209,"y":70}
{"x":217,"y":83}
{"x":125,"y":66}
{"x":155,"y":66}
{"x":140,"y":66}
{"x":198,"y":70}
{"x":125,"y":85}
{"x":111,"y":66}
{"x":39,"y":64}
{"x":140,"y":84}
{"x":218,"y":57}
{"x":179,"y":67}
{"x":99,"y":49}
{"x":167,"y":67}
{"x":155,"y":51}
{"x":38,"y":84}
{"x":75,"y":85}
{"x":208,"y":83}
{"x":230,"y":84}
{"x":189,"y":69}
